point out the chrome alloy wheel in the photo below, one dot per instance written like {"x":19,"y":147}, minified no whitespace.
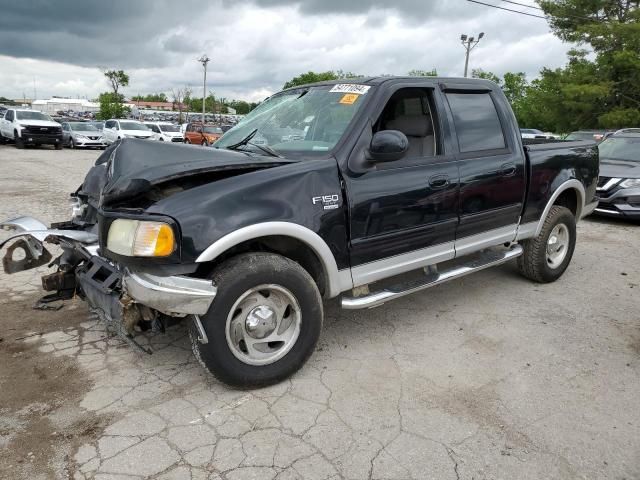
{"x":557,"y":245}
{"x":263,"y":324}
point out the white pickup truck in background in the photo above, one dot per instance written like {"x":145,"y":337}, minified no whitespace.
{"x":29,"y":127}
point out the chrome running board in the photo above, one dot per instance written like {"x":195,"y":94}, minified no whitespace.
{"x":487,"y":259}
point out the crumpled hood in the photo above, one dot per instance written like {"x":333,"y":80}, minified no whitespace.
{"x":613,"y":168}
{"x":134,"y":167}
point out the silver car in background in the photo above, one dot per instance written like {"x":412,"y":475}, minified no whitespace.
{"x":82,"y":135}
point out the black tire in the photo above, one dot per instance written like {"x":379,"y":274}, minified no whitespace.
{"x":58,"y":146}
{"x":533,"y":263}
{"x":72,"y":144}
{"x":234,"y":278}
{"x":18,"y":141}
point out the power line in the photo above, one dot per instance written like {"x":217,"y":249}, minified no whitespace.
{"x":507,"y":9}
{"x":542,"y":10}
{"x":522,"y":5}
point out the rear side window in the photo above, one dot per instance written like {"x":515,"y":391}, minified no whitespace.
{"x":477,"y":123}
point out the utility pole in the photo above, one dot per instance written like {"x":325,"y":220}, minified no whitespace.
{"x":469,"y":43}
{"x":204,"y":60}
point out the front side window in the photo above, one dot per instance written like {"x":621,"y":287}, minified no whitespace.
{"x":9,"y":115}
{"x":22,"y":115}
{"x":307,"y":121}
{"x":477,"y":123}
{"x":409,"y":111}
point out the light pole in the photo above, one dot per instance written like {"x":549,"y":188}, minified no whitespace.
{"x":204,"y":60}
{"x":469,"y":44}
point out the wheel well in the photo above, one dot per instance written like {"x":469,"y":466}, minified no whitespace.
{"x":289,"y":247}
{"x":568,"y":199}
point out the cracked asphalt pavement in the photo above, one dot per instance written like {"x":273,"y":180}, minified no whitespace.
{"x":487,"y":377}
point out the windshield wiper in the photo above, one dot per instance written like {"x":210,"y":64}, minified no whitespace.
{"x":266,"y":149}
{"x":247,"y":141}
{"x":244,"y":141}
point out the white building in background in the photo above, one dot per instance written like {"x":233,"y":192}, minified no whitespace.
{"x":55,"y":104}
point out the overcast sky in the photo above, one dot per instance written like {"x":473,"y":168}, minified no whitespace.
{"x":254,"y":46}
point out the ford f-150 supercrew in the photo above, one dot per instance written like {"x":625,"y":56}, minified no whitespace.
{"x":368,"y":189}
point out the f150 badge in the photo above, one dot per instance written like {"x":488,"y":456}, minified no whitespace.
{"x":329,"y":202}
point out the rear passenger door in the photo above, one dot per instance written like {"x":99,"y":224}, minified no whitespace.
{"x":492,"y":167}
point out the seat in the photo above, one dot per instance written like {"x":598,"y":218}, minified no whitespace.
{"x":419,"y":132}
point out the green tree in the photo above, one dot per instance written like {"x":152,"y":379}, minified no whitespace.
{"x":480,"y":73}
{"x":152,"y":97}
{"x":117,"y":79}
{"x":423,"y":73}
{"x":311,"y":77}
{"x":112,"y":103}
{"x":612,"y":29}
{"x":112,"y":106}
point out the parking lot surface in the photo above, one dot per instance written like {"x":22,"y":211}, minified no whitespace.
{"x":487,"y":377}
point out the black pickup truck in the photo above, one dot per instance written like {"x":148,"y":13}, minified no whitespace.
{"x":325,"y":190}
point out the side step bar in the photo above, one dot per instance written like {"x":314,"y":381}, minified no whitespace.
{"x":486,"y":260}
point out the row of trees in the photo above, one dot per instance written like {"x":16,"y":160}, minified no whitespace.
{"x":112,"y":102}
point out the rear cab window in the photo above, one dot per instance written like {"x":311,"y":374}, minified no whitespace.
{"x":476,"y":121}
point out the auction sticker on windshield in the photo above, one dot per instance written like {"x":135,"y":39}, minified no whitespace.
{"x":349,"y":98}
{"x":350,"y":88}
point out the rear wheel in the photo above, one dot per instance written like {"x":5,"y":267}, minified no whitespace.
{"x":264,"y":322}
{"x":548,"y":255}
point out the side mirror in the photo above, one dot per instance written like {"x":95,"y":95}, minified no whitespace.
{"x":388,"y":146}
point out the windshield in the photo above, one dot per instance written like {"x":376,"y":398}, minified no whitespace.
{"x":620,"y":148}
{"x":580,"y":136}
{"x":33,"y":116}
{"x":98,"y":125}
{"x":169,"y":128}
{"x":306,"y":120}
{"x":133,"y":126}
{"x":530,"y":130}
{"x":82,"y":127}
{"x":217,"y":130}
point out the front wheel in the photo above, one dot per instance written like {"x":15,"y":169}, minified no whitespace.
{"x":72,"y":144}
{"x":548,"y":255}
{"x":264,"y":322}
{"x":18,"y":141}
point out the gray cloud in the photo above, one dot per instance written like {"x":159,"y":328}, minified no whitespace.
{"x":255,"y":45}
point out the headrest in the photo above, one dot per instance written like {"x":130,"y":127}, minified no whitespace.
{"x":411,"y":125}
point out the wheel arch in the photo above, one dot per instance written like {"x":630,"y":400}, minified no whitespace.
{"x":570,"y":194}
{"x":291,"y":240}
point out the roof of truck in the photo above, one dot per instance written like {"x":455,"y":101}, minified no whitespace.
{"x":382,"y":79}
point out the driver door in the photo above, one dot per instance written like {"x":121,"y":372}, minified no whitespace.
{"x":404,"y":214}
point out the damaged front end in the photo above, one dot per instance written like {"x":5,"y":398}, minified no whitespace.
{"x":123,"y":299}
